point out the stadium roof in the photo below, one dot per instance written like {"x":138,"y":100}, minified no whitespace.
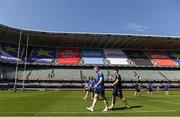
{"x":88,"y":40}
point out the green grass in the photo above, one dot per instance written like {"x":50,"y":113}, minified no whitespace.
{"x":70,"y":103}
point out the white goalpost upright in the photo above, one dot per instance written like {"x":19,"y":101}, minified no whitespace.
{"x":25,"y":62}
{"x":17,"y":62}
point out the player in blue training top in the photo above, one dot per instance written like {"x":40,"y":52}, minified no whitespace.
{"x":86,"y":88}
{"x":89,"y":88}
{"x":166,"y":88}
{"x":99,"y":89}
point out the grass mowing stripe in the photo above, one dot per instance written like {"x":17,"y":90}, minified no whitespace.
{"x":70,"y":103}
{"x":162,"y":101}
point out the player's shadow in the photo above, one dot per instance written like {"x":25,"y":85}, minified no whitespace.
{"x":124,"y":108}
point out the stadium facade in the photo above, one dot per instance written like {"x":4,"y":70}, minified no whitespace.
{"x":66,"y":59}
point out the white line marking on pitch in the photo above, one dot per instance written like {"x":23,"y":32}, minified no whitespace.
{"x":89,"y":112}
{"x":166,"y":102}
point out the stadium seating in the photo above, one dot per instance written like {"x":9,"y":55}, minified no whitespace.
{"x":103,"y":57}
{"x":83,"y":57}
{"x":128,"y":75}
{"x":7,"y":72}
{"x":42,"y":55}
{"x":171,"y":74}
{"x":138,"y":57}
{"x":8,"y":53}
{"x":92,"y":56}
{"x":77,"y":74}
{"x":71,"y":74}
{"x":150,"y":75}
{"x":68,"y":56}
{"x":174,"y":55}
{"x":43,"y":74}
{"x":160,"y":58}
{"x":116,"y":57}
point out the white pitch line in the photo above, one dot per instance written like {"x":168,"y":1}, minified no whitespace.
{"x":168,"y":102}
{"x":96,"y":112}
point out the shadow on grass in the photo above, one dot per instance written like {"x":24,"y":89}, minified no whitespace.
{"x":124,"y":108}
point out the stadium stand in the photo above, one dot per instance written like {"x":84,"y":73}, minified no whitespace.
{"x":67,"y":58}
{"x":8,"y":53}
{"x":115,"y":57}
{"x":42,"y":55}
{"x":128,"y":75}
{"x":8,"y":72}
{"x":171,"y":75}
{"x":92,"y":56}
{"x":44,"y":74}
{"x":83,"y":74}
{"x":71,"y":74}
{"x":150,"y":75}
{"x":174,"y":55}
{"x":138,"y":57}
{"x":160,"y":58}
{"x":72,"y":56}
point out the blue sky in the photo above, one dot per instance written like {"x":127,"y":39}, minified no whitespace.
{"x":149,"y":17}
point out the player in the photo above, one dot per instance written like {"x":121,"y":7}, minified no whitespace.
{"x":117,"y":90}
{"x":137,"y":89}
{"x":99,"y":90}
{"x":166,"y":88}
{"x":86,"y":88}
{"x":150,"y":89}
{"x":90,"y":88}
{"x":158,"y":89}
